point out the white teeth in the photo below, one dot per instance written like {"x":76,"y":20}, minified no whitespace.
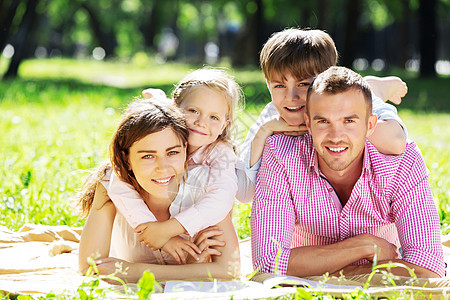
{"x":163,"y":181}
{"x":293,"y":108}
{"x":337,"y":149}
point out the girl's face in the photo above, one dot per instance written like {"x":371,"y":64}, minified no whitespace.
{"x":158,"y":161}
{"x":206,"y":114}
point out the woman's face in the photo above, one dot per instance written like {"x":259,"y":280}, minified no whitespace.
{"x":158,"y":161}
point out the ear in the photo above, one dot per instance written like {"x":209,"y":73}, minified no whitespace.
{"x":268,"y":86}
{"x":371,"y":124}
{"x":225,"y":124}
{"x":307,"y":123}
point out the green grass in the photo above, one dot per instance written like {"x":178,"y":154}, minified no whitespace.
{"x":57,"y":118}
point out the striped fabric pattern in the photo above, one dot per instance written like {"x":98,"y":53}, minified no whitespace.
{"x":294,"y":205}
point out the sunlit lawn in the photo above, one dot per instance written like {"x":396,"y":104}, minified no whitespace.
{"x":57,"y":120}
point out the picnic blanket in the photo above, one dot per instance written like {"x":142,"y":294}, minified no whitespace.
{"x":40,"y":259}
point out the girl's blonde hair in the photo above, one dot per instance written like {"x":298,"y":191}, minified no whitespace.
{"x":219,"y":81}
{"x":141,"y":118}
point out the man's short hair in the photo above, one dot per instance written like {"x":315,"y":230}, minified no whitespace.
{"x":337,"y":80}
{"x":303,"y":52}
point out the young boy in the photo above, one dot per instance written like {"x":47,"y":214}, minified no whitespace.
{"x":290,"y":60}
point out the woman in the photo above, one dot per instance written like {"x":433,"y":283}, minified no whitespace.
{"x":148,"y":151}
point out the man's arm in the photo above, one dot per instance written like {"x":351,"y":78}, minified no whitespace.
{"x":318,"y":260}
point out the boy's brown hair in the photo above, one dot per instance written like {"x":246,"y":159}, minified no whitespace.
{"x":303,"y":52}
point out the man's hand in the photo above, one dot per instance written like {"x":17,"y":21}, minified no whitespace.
{"x":377,"y":247}
{"x":153,"y":234}
{"x":179,"y":248}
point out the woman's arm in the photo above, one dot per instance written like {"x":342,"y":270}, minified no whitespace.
{"x":225,"y":266}
{"x":96,"y":235}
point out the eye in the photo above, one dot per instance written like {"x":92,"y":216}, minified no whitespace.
{"x":349,"y":121}
{"x":279,"y":86}
{"x":215,"y":118}
{"x":173,"y":153}
{"x":304,"y":84}
{"x":322,"y":121}
{"x":147,"y":156}
{"x":191,"y":110}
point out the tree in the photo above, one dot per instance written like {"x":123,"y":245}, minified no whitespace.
{"x":428,"y":36}
{"x":353,"y":9}
{"x":7,"y":13}
{"x":23,"y":37}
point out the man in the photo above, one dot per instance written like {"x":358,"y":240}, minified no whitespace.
{"x":329,"y":201}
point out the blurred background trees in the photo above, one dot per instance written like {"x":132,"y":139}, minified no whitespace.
{"x":381,"y":34}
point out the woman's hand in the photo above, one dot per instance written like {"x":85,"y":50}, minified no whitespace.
{"x":179,"y":248}
{"x":204,"y":239}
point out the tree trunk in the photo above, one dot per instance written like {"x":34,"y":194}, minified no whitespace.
{"x":106,"y":40}
{"x":150,"y":25}
{"x":250,"y":39}
{"x":27,"y":25}
{"x":7,"y":13}
{"x":428,"y":36}
{"x":323,"y":15}
{"x":404,"y":34}
{"x":353,"y":9}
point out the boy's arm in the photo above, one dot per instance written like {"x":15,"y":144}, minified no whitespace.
{"x":390,"y":134}
{"x":156,"y":234}
{"x":388,"y":137}
{"x":390,"y":88}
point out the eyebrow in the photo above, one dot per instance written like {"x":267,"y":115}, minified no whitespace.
{"x":354,"y":116}
{"x":154,"y":151}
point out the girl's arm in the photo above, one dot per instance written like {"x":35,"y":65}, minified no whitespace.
{"x":96,"y":235}
{"x":218,"y":198}
{"x":225,"y":266}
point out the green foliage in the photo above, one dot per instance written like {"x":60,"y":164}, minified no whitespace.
{"x":57,"y":120}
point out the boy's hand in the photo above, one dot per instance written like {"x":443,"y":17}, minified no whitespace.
{"x":390,"y":88}
{"x":179,"y":248}
{"x":153,"y":234}
{"x":279,"y":125}
{"x":153,"y":93}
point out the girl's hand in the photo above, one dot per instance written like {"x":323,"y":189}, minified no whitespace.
{"x":205,"y":240}
{"x":153,"y":234}
{"x":153,"y":93}
{"x":179,"y":248}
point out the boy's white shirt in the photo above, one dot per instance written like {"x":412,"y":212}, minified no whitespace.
{"x":195,"y":214}
{"x":247,"y":175}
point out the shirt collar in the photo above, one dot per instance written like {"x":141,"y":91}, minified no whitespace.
{"x":198,"y":156}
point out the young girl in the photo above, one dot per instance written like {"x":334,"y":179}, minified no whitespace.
{"x":148,"y":146}
{"x":209,"y":98}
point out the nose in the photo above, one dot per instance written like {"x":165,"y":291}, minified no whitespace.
{"x":335,"y":133}
{"x":163,"y":163}
{"x":200,"y":120}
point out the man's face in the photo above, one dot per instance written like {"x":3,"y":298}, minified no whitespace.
{"x":339,"y":125}
{"x":289,"y":96}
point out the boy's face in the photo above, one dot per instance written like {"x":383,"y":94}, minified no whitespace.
{"x":289,"y":96}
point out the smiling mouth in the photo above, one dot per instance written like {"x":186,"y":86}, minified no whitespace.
{"x":197,"y":132}
{"x":294,"y":108}
{"x":163,"y":181}
{"x":337,"y":149}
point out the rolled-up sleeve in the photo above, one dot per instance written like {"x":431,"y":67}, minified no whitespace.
{"x":417,"y":219}
{"x":273,"y":215}
{"x":385,"y":111}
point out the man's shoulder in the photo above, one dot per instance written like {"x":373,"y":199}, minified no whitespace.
{"x":395,"y":165}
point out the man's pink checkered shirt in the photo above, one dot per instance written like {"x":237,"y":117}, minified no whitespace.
{"x":294,"y":205}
